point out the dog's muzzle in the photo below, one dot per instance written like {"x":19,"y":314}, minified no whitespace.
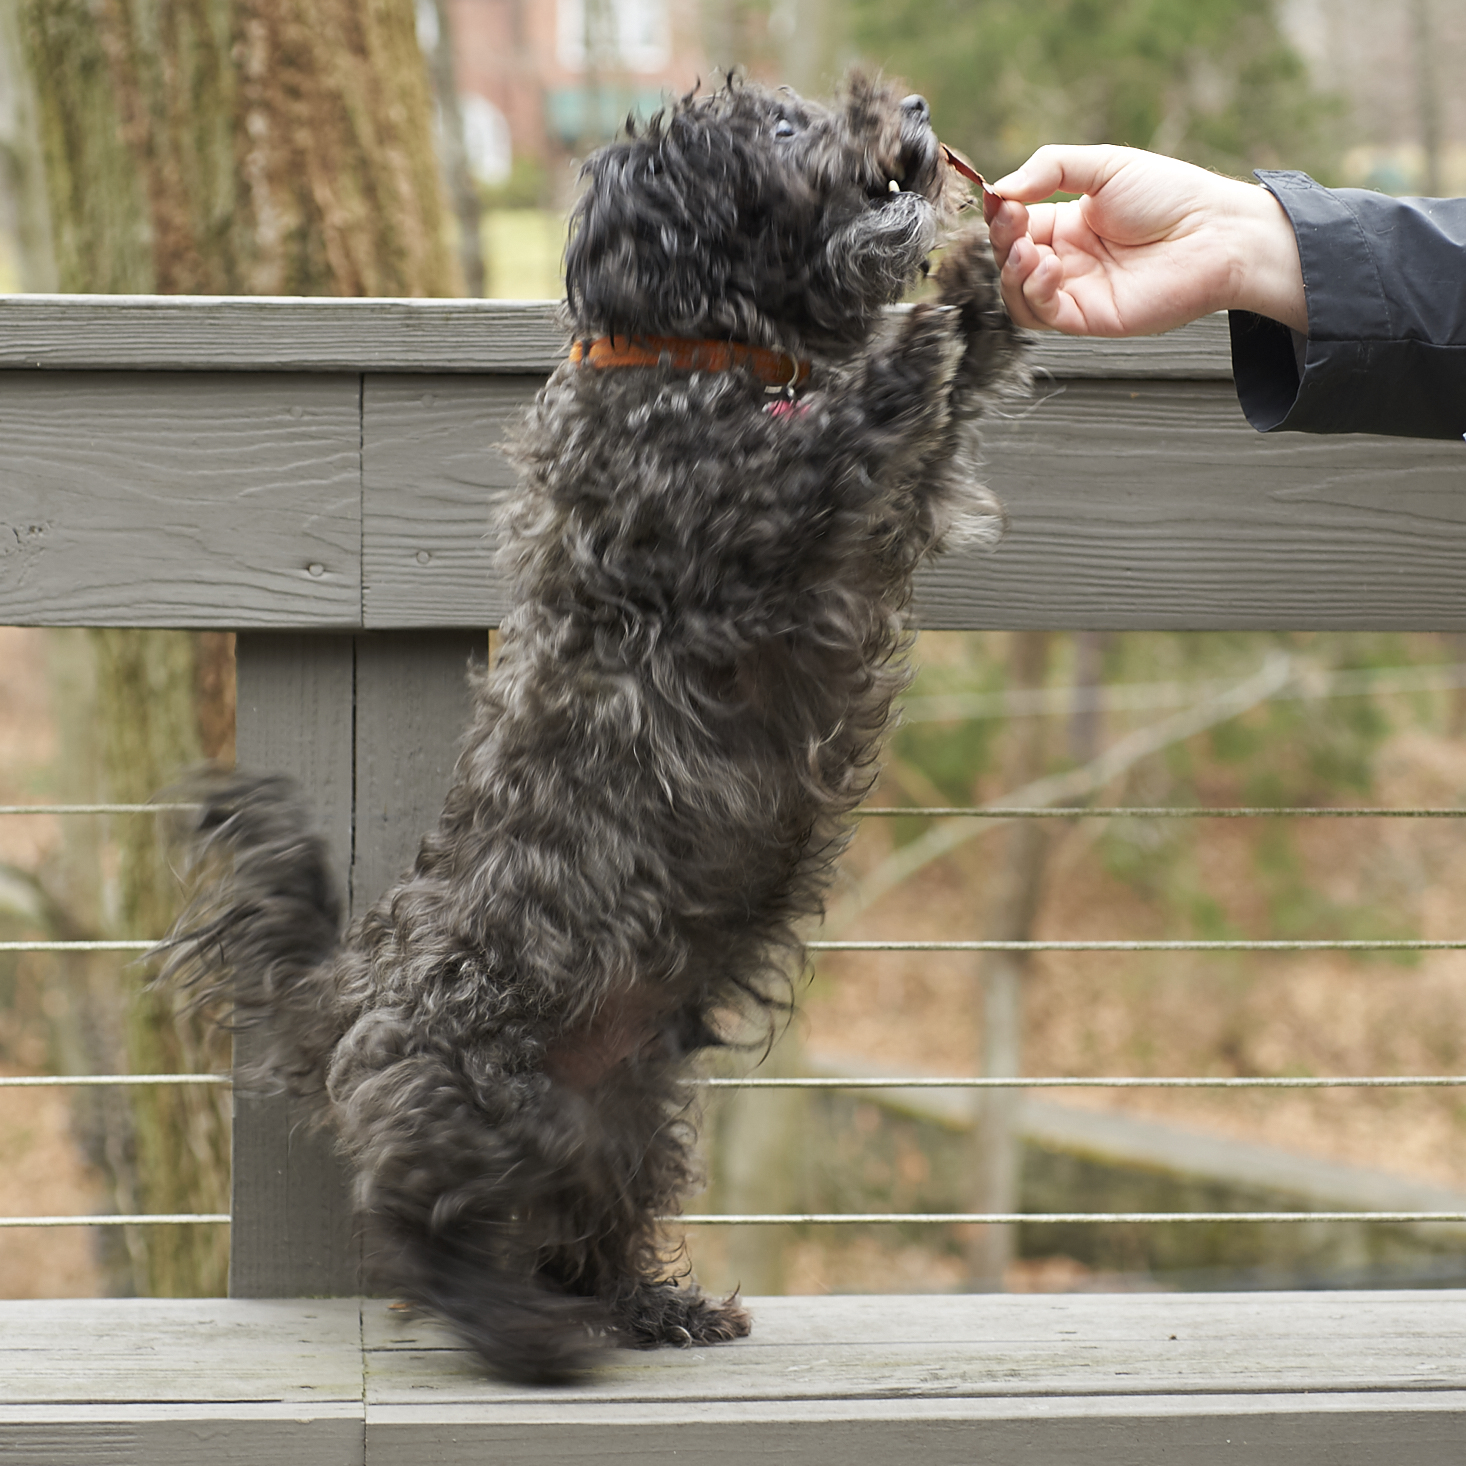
{"x":920,"y":150}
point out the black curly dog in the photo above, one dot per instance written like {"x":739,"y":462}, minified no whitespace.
{"x":712,"y":555}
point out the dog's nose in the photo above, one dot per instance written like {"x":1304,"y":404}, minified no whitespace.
{"x":916,"y":106}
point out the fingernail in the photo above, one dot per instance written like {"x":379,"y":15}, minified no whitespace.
{"x":1010,"y":183}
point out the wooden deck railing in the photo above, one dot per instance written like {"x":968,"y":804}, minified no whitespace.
{"x":314,"y":475}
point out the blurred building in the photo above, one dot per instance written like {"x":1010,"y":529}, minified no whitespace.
{"x":544,"y":80}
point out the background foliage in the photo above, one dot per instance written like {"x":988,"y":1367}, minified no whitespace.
{"x":1212,"y":81}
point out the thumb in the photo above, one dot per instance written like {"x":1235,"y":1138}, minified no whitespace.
{"x":1060,"y":166}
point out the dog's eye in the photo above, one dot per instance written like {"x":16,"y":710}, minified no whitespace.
{"x":783,"y":128}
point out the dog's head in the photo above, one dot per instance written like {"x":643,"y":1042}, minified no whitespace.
{"x":755,"y":216}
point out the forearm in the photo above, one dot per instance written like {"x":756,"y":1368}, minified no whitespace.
{"x":1266,"y":273}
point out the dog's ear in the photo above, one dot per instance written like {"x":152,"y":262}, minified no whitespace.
{"x":652,"y":233}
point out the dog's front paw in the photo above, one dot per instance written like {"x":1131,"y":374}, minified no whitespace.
{"x":967,"y":276}
{"x":967,"y":280}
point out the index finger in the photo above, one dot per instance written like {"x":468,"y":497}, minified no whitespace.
{"x":1059,"y":167}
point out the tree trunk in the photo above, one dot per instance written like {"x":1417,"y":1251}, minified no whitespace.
{"x":279,"y":147}
{"x":257,"y":147}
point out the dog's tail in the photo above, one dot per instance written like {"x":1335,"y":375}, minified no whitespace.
{"x":255,"y":943}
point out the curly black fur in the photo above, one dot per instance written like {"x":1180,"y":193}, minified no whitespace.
{"x":707,"y":635}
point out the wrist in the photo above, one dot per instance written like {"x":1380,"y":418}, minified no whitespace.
{"x":1266,"y":275}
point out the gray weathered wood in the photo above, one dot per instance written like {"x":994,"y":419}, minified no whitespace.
{"x":1131,"y":505}
{"x":854,"y":1382}
{"x":259,"y":333}
{"x":432,"y":471}
{"x":991,"y":1346}
{"x":146,"y":498}
{"x":177,"y":1382}
{"x":1201,"y":351}
{"x":69,"y":1351}
{"x":293,"y":1229}
{"x":369,"y":727}
{"x":1360,"y":1430}
{"x":163,"y":500}
{"x":412,"y":705}
{"x":247,"y":1434}
{"x":1155,"y":506}
{"x":1327,"y":1379}
{"x":263,"y":333}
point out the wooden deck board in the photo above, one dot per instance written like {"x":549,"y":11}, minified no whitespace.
{"x":92,"y":1351}
{"x":1342,"y":1378}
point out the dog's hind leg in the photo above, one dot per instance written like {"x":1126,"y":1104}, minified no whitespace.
{"x":649,"y":1300}
{"x":669,"y":1312}
{"x":460,"y":1200}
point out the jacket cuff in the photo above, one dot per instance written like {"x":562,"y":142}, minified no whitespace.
{"x":1265,"y":369}
{"x":1345,"y":300}
{"x":1386,"y":299}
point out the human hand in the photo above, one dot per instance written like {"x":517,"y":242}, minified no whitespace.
{"x":1151,"y":244}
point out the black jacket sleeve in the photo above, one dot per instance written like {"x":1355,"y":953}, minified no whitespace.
{"x":1385,"y":281}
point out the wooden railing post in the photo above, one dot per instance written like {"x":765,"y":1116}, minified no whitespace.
{"x":368,"y":725}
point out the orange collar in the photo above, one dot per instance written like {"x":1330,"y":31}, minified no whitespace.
{"x":773,"y":368}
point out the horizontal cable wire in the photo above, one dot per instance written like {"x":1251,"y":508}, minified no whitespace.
{"x":879,"y":1218}
{"x":1410,"y":945}
{"x":1406,"y":944}
{"x":109,"y":1219}
{"x":1306,"y":685}
{"x":118,"y":946}
{"x":1405,"y":1081}
{"x":769,"y":1219}
{"x":773,"y":1219}
{"x":960,"y":811}
{"x":93,"y":808}
{"x":67,"y":1081}
{"x":1341,"y":945}
{"x":1164,"y":811}
{"x":895,"y":945}
{"x":924,"y":1081}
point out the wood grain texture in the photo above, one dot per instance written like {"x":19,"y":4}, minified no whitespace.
{"x":1369,"y":1431}
{"x":412,"y":706}
{"x":153,"y":499}
{"x":1103,"y":1381}
{"x":78,"y":1351}
{"x":293,"y":1231}
{"x":1155,"y":506}
{"x":1093,"y":1380}
{"x":987,"y":1347}
{"x":432,"y":470}
{"x":183,"y":1435}
{"x":259,"y":333}
{"x":1131,"y":505}
{"x":179,"y":500}
{"x":270,"y":334}
{"x":1201,"y":351}
{"x":176,"y":1382}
